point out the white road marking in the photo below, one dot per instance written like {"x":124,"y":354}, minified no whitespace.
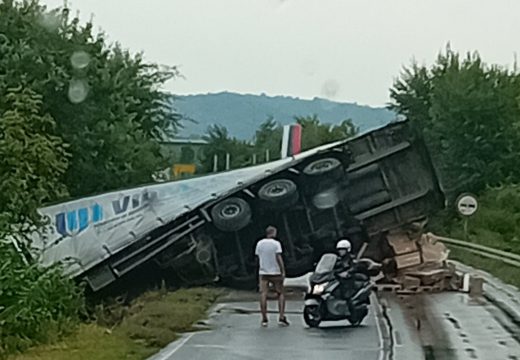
{"x":211,"y":346}
{"x":378,"y":327}
{"x":167,"y":354}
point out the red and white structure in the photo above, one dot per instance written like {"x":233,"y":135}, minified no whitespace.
{"x":291,"y":140}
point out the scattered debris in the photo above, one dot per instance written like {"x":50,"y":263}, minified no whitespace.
{"x":419,"y":262}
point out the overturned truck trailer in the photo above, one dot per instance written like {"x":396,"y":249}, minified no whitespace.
{"x":205,"y":228}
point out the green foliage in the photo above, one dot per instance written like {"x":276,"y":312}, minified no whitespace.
{"x":150,"y":322}
{"x":32,"y":160}
{"x":315,"y":133}
{"x":187,"y":155}
{"x":269,"y":137}
{"x":77,"y":116}
{"x":157,"y":318}
{"x":221,"y":143}
{"x":496,"y":223}
{"x":90,"y":342}
{"x":469,"y":114}
{"x":36,"y":305}
{"x":106,"y":102}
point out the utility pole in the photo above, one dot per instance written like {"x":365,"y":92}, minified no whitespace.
{"x":215,"y":163}
{"x":228,"y":161}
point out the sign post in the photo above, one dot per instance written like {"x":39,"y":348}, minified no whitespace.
{"x":467,"y":205}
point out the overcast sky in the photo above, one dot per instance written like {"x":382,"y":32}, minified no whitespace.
{"x":338,"y":49}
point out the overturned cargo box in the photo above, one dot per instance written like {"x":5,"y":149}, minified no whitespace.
{"x":362,"y":188}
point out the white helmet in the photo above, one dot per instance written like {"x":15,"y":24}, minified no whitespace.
{"x":344,"y":244}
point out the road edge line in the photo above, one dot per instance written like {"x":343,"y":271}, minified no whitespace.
{"x":165,"y":353}
{"x":384,"y":329}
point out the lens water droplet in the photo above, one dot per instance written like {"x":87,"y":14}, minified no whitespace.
{"x":49,"y":20}
{"x":80,"y":60}
{"x":78,"y":91}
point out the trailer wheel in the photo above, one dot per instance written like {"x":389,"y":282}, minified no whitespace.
{"x":232,"y":214}
{"x":280,"y":193}
{"x":331,"y":168}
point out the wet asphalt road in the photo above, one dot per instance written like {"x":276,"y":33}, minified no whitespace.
{"x":236,"y":334}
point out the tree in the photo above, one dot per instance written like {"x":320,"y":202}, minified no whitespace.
{"x":187,"y":155}
{"x":77,"y":116}
{"x":221,"y":143}
{"x":106,"y":102}
{"x":37,"y":304}
{"x":316,"y":133}
{"x":32,"y":161}
{"x":268,"y":137}
{"x":469,"y":115}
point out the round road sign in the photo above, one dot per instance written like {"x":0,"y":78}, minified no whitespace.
{"x":467,"y":204}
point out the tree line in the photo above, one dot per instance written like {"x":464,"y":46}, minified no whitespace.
{"x":267,"y":141}
{"x":77,"y":116}
{"x":469,"y":113}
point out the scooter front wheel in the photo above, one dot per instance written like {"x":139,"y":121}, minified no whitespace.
{"x":312,"y":315}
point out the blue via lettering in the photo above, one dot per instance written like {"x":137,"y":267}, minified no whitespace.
{"x":121,"y":206}
{"x":76,"y":221}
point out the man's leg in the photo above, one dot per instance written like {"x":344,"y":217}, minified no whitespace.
{"x":264,"y":288}
{"x":278,"y":283}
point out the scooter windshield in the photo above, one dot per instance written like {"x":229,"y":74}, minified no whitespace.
{"x":326,"y":264}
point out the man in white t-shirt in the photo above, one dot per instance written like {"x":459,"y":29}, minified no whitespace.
{"x":271,"y":269}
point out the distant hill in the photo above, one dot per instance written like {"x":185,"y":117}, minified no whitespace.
{"x":242,"y":114}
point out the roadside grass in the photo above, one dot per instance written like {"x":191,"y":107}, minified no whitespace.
{"x":507,"y":273}
{"x":156,"y":318}
{"x":496,"y":224}
{"x":90,"y":342}
{"x":151,"y":322}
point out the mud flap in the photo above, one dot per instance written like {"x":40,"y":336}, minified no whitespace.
{"x":312,"y":302}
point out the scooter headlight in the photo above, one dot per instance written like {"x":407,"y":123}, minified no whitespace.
{"x":319,"y":288}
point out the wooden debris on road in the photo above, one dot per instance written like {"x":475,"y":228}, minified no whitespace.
{"x":420,"y":261}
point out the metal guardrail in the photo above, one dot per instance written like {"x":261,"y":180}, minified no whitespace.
{"x":484,"y":251}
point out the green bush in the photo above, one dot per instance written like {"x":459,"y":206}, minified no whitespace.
{"x":36,"y":305}
{"x":496,"y":223}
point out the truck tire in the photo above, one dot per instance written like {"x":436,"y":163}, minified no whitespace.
{"x":330,"y":168}
{"x":231,"y":214}
{"x":280,"y":193}
{"x":321,"y":174}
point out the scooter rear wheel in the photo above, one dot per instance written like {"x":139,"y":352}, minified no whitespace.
{"x":312,"y":315}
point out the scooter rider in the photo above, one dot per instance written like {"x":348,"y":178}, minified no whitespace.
{"x":346,"y":269}
{"x":345,"y":261}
